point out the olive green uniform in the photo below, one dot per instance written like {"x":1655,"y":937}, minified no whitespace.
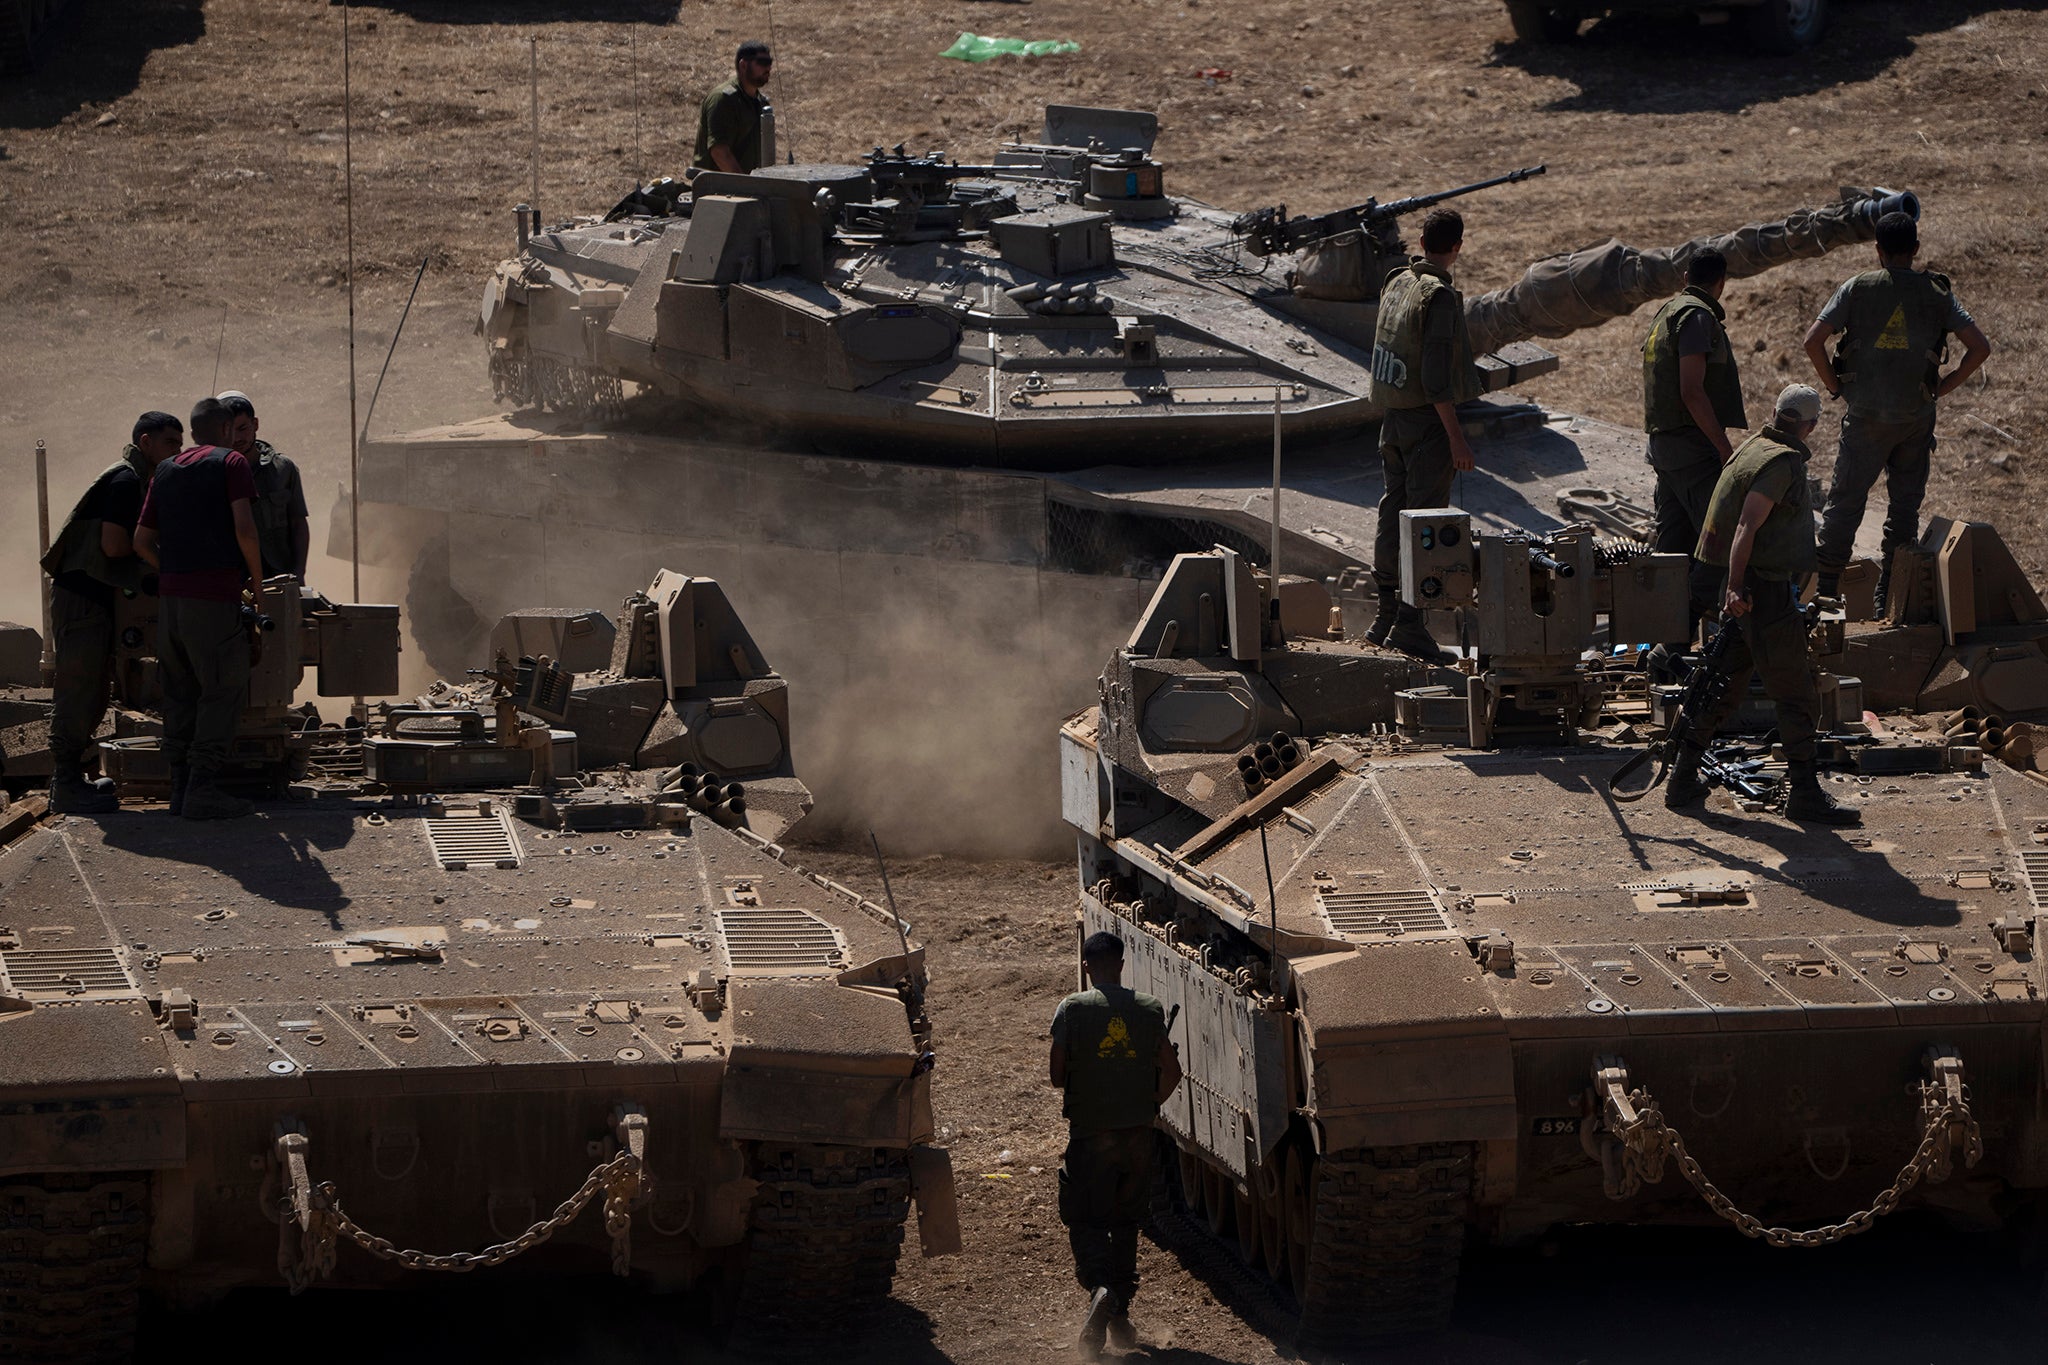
{"x":1421,"y":356}
{"x":1771,"y":639}
{"x":1112,"y":1037}
{"x":279,"y":508}
{"x":84,"y":583}
{"x":730,"y":118}
{"x":1894,"y":326}
{"x":1684,"y":458}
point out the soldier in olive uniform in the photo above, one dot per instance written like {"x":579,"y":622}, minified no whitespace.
{"x":735,"y":126}
{"x":280,"y":506}
{"x":1692,"y":394}
{"x":1111,"y":1057}
{"x":1422,"y":369}
{"x":1759,"y":528}
{"x":92,"y":558}
{"x":1895,"y":322}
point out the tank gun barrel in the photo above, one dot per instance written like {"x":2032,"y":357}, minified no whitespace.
{"x":1564,"y":294}
{"x":1270,"y":232}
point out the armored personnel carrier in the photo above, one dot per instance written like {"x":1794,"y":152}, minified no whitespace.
{"x":1438,"y":974}
{"x":525,"y":945}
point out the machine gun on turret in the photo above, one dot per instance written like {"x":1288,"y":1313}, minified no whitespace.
{"x":1270,"y":232}
{"x":920,"y":198}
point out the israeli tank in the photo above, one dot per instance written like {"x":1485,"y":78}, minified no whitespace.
{"x":1055,"y":308}
{"x":1439,"y":971}
{"x":518,"y":969}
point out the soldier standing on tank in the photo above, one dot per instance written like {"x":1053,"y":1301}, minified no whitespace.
{"x":1422,"y":368}
{"x":280,"y":505}
{"x":197,"y":530}
{"x":91,"y":559}
{"x":1111,"y":1057}
{"x":1759,"y":529}
{"x":1692,"y":394}
{"x":1895,"y":322}
{"x":729,"y":124}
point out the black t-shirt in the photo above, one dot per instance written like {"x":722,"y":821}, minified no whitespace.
{"x":115,"y":497}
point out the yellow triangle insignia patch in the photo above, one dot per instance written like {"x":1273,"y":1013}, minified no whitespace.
{"x":1893,"y":337}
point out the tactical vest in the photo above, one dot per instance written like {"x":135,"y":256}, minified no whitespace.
{"x":77,"y":548}
{"x":1397,"y":339}
{"x":1112,"y":1059}
{"x":195,"y":524}
{"x":272,"y":508}
{"x":1784,"y":547}
{"x":1663,"y":407}
{"x":1894,"y":331}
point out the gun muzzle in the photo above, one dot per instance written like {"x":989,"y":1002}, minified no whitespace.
{"x":253,"y":619}
{"x":1541,"y":559}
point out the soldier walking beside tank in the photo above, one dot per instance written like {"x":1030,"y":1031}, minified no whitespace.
{"x":92,"y":558}
{"x":1111,"y":1057}
{"x":198,"y":531}
{"x":1692,"y":394}
{"x":1895,"y":322}
{"x":280,"y":505}
{"x":729,"y":125}
{"x":1422,"y":368}
{"x":1759,"y":528}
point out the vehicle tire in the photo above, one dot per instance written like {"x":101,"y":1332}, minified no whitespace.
{"x":1785,"y":26}
{"x":1535,"y":23}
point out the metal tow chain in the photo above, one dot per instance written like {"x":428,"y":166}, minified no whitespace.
{"x":1646,"y":1138}
{"x":320,"y":1218}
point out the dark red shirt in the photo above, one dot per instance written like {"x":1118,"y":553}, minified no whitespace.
{"x":192,"y":512}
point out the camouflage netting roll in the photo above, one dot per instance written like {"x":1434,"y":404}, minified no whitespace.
{"x":1563,"y":294}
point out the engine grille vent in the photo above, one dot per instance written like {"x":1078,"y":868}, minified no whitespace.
{"x":1364,"y":916}
{"x":761,"y":941}
{"x":461,"y":840}
{"x":2036,"y":863}
{"x":65,"y":973}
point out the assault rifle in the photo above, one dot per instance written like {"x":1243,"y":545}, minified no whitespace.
{"x":1270,"y":232}
{"x":1704,"y":688}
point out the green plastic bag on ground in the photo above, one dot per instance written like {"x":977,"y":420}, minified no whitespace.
{"x":972,"y":47}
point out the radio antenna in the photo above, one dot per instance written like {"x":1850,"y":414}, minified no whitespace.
{"x":219,"y":344}
{"x":639,"y":166}
{"x":348,"y":198}
{"x":775,"y":45}
{"x":533,"y":104}
{"x":378,"y":387}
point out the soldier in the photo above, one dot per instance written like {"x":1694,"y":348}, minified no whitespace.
{"x":1421,"y":370}
{"x":1111,"y":1057}
{"x":280,"y":505}
{"x":197,"y":530}
{"x":1692,"y":394}
{"x":92,"y":557}
{"x":1759,"y":527}
{"x":729,"y":124}
{"x":1895,"y":322}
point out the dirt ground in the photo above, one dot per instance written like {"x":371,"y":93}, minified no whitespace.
{"x":171,"y":192}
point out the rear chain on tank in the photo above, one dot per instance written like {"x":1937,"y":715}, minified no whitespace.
{"x":72,"y":1253}
{"x":1950,"y":1131}
{"x":1389,"y":1229}
{"x":823,"y":1236}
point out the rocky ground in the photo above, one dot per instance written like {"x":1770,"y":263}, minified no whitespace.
{"x":172,"y":195}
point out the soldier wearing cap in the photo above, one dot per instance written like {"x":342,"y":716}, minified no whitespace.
{"x":1759,"y":529}
{"x":1422,"y":368}
{"x":1113,"y":1061}
{"x":1894,"y":322}
{"x":735,"y":125}
{"x":280,"y":505}
{"x":92,"y":559}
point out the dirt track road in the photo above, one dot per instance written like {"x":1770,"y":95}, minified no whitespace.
{"x":171,"y":197}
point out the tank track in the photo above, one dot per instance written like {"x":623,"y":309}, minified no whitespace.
{"x":1389,"y":1230}
{"x":823,"y":1236}
{"x":72,"y":1252}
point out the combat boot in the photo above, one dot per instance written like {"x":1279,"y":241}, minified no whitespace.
{"x":1102,"y":1306}
{"x":1827,"y":585}
{"x":1123,"y":1336}
{"x":181,"y":779}
{"x":204,"y":800}
{"x":71,"y":794}
{"x":1879,"y":598}
{"x":1807,"y":801}
{"x":1683,"y":785}
{"x":1411,"y":636}
{"x":1383,"y":622}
